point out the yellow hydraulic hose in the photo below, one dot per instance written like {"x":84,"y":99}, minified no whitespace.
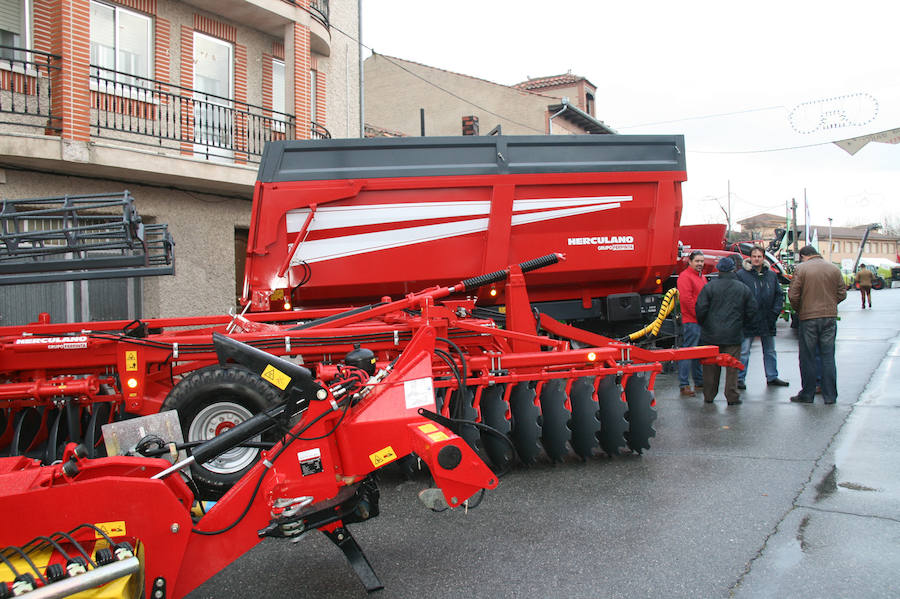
{"x":668,"y":304}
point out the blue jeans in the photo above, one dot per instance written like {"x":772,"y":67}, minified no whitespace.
{"x":770,"y":360}
{"x":818,"y":335}
{"x":688,"y":369}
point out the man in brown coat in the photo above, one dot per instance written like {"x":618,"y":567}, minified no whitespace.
{"x":865,"y":278}
{"x":816,"y":289}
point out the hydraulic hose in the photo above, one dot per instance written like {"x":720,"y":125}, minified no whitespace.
{"x":668,"y":304}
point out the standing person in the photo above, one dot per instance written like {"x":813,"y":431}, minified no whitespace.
{"x":816,"y":290}
{"x":724,"y":308}
{"x":690,"y":282}
{"x":763,"y":284}
{"x":865,"y":278}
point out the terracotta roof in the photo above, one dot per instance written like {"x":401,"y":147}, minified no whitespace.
{"x":375,"y":131}
{"x":551,"y":81}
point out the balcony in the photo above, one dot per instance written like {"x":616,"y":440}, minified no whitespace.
{"x":147,"y":112}
{"x":139,"y":112}
{"x":26,"y":95}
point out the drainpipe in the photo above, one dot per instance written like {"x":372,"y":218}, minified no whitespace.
{"x":565,"y":103}
{"x":362,"y":114}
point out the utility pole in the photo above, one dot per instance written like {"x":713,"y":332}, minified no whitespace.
{"x":829,"y":239}
{"x":728,"y":213}
{"x":794,"y":225}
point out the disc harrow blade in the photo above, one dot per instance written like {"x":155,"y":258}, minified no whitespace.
{"x":612,"y":416}
{"x":493,"y":414}
{"x":461,"y":407}
{"x":526,"y":431}
{"x":6,"y":429}
{"x":555,"y":419}
{"x":585,"y":424}
{"x":27,"y":431}
{"x":73,"y":413}
{"x":56,"y":435}
{"x":99,"y":415}
{"x":640,"y":414}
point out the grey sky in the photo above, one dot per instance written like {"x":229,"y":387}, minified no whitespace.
{"x":773,"y":71}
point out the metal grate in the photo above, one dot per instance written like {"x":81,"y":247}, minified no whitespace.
{"x":80,"y":237}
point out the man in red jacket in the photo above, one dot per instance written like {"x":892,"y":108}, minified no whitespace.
{"x":690,"y":282}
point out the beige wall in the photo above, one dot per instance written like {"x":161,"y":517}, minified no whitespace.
{"x":342,"y":71}
{"x":393,"y":97}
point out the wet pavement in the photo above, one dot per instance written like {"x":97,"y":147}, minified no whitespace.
{"x":766,"y":499}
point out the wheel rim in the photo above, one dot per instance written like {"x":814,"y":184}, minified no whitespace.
{"x":216,"y":419}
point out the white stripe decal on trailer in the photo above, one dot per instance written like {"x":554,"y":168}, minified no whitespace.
{"x":337,"y":217}
{"x":349,"y":245}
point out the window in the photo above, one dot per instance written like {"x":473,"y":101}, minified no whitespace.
{"x":313,"y":83}
{"x":213,"y":95}
{"x":120,"y":43}
{"x":15,"y":28}
{"x":278,"y":88}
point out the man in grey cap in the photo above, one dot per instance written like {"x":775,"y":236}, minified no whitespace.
{"x":724,"y":308}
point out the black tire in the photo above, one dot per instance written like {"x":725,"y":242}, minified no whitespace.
{"x":878,"y":283}
{"x":211,"y":400}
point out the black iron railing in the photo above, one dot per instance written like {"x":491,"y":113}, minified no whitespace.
{"x":26,"y":93}
{"x":319,"y":10}
{"x":150,"y":112}
{"x":317,"y":131}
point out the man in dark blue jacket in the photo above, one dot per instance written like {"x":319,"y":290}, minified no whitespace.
{"x":724,"y":308}
{"x":769,"y":297}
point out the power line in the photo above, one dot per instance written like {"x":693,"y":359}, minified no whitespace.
{"x":704,"y":116}
{"x":764,"y":151}
{"x":457,"y":96}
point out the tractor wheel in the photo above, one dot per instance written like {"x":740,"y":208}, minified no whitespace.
{"x":878,"y":283}
{"x":209,"y":402}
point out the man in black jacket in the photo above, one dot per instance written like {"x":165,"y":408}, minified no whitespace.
{"x":724,"y":308}
{"x":769,"y":297}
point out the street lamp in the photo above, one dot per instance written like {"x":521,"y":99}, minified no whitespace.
{"x":830,"y":245}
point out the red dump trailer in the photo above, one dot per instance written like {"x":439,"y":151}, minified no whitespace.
{"x":344,"y":222}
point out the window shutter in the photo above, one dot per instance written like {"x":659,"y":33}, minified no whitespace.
{"x":11,"y":16}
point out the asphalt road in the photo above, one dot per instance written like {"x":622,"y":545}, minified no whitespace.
{"x":766,"y":499}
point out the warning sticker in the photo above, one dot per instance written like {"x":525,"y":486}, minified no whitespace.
{"x":276,"y":377}
{"x":428,"y":428}
{"x":419,"y":393}
{"x":383,"y":456}
{"x":438,"y":436}
{"x":131,"y":361}
{"x":112,"y":529}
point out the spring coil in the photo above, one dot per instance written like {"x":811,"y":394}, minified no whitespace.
{"x":668,"y":304}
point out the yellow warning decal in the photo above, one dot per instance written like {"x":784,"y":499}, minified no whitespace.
{"x":428,"y":428}
{"x":383,"y":456}
{"x":113,"y":529}
{"x":438,"y":436}
{"x":276,"y":377}
{"x":130,"y":361}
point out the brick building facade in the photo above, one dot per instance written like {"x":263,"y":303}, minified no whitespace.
{"x":174,"y":101}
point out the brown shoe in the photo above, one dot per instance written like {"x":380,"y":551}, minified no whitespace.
{"x":687,"y":392}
